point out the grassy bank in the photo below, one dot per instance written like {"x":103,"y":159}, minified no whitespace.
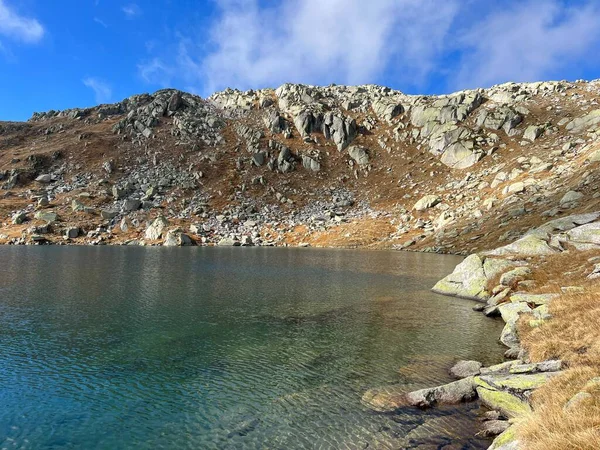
{"x":566,"y":411}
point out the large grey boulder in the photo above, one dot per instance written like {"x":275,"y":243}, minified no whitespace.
{"x":571,"y":197}
{"x":584,"y":123}
{"x":156,"y":229}
{"x":44,"y":178}
{"x":108,"y":214}
{"x":503,"y":117}
{"x":526,"y":246}
{"x":448,"y":394}
{"x":533,"y":132}
{"x":470,"y":278}
{"x":19,"y":218}
{"x":310,"y":163}
{"x":464,"y":369}
{"x":46,"y":216}
{"x":72,"y":232}
{"x":426,"y":202}
{"x":585,"y":237}
{"x":359,"y":155}
{"x":177,"y":238}
{"x":131,"y":204}
{"x":386,"y":108}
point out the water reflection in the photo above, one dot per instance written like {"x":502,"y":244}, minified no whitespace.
{"x":222,"y":348}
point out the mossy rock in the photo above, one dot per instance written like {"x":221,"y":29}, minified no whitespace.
{"x":46,"y":216}
{"x":513,"y":382}
{"x":528,"y":245}
{"x":506,"y":441}
{"x":508,"y":404}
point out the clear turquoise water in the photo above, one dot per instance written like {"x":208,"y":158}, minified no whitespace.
{"x":214,"y":348}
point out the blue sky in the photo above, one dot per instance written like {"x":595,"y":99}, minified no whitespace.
{"x":74,"y":53}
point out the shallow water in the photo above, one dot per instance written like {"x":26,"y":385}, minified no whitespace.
{"x":218,"y":348}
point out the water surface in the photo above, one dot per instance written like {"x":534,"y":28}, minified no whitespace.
{"x":219,"y":348}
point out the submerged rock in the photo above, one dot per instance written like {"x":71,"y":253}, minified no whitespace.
{"x":464,"y":369}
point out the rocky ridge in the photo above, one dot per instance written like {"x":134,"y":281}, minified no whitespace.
{"x":305,"y":165}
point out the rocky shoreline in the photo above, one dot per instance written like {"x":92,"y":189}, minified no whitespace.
{"x":500,"y":280}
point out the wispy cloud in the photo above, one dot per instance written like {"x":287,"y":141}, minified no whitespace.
{"x":100,"y":22}
{"x":132,"y":10}
{"x":529,"y":41}
{"x":19,"y":27}
{"x":102,"y":90}
{"x":447,"y":43}
{"x":314,"y":41}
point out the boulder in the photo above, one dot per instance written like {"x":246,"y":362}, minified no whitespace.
{"x":44,"y":178}
{"x":155,"y":230}
{"x":177,"y":238}
{"x":426,"y":202}
{"x":310,"y":164}
{"x":359,"y":155}
{"x":464,"y":369}
{"x":118,"y":192}
{"x":72,"y":232}
{"x":46,"y":216}
{"x":584,"y":123}
{"x":108,"y":215}
{"x":571,"y":197}
{"x":447,"y":394}
{"x":470,"y":278}
{"x":528,"y":245}
{"x":387,"y":109}
{"x":131,"y":204}
{"x":533,"y":132}
{"x":258,"y":159}
{"x":585,"y":236}
{"x":19,"y":218}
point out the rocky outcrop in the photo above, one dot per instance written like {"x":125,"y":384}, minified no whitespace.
{"x":471,"y":277}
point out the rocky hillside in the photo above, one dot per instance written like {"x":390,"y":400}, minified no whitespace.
{"x":302,"y":165}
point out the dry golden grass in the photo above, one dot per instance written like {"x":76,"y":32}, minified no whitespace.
{"x":573,"y":335}
{"x":550,"y":427}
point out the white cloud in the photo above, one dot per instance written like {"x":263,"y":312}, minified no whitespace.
{"x":100,"y":22}
{"x":132,"y":10}
{"x":530,"y":41}
{"x":18,"y":27}
{"x":313,"y":41}
{"x":102,"y":90}
{"x":415,"y":43}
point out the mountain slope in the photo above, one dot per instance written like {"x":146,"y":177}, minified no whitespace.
{"x":304,"y":165}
